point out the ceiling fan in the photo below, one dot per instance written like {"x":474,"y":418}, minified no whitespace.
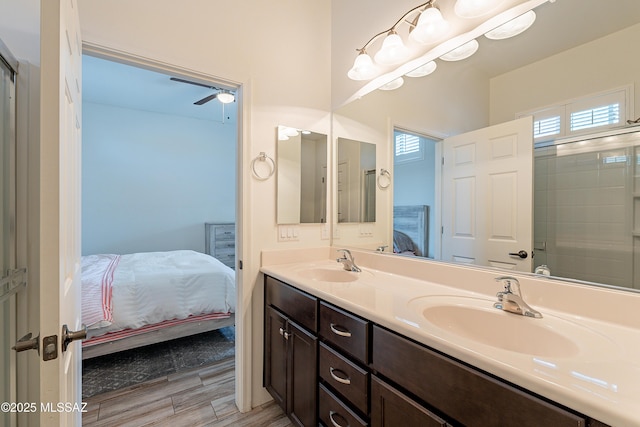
{"x":224,"y":96}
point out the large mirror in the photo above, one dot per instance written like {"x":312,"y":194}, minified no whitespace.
{"x":301,"y":176}
{"x":356,"y":181}
{"x":561,"y":58}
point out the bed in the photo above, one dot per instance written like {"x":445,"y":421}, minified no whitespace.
{"x":411,"y":230}
{"x":138,"y":299}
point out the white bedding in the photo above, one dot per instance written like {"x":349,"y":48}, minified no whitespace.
{"x":152,"y":287}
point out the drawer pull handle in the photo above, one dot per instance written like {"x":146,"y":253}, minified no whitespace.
{"x":341,"y":380}
{"x":339,"y":332}
{"x":284,"y":334}
{"x":335,"y":424}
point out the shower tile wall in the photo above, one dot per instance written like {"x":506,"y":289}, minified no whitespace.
{"x":583,"y":213}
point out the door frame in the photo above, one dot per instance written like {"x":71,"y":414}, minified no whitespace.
{"x":243,"y":343}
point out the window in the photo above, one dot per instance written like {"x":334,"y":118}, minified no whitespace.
{"x":408,"y":147}
{"x":601,"y":111}
{"x":546,"y":127}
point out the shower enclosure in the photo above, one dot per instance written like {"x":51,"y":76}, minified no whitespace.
{"x":587,"y":208}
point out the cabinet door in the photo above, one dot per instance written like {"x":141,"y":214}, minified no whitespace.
{"x":275,"y":356}
{"x":390,"y":408}
{"x":303,"y":378}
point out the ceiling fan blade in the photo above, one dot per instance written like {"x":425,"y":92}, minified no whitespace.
{"x":175,"y":79}
{"x":206,"y":99}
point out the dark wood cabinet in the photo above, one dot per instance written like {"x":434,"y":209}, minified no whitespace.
{"x":291,"y":353}
{"x":466,"y":395}
{"x":275,"y":356}
{"x":391,"y":408}
{"x":357,"y":373}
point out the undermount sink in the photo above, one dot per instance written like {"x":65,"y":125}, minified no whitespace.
{"x":476,"y":319}
{"x":329,"y":275}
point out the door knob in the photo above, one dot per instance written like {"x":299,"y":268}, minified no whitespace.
{"x":27,"y":343}
{"x":70,"y":336}
{"x":521,"y":254}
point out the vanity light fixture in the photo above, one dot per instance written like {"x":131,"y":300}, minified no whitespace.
{"x":475,"y":8}
{"x":461,"y":52}
{"x":430,"y":27}
{"x":512,"y":28}
{"x":393,"y":50}
{"x":363,"y":67}
{"x":285,"y":132}
{"x":423,"y":70}
{"x":425,"y":34}
{"x":394,"y":84}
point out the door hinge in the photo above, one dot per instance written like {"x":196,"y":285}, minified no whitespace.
{"x":239,"y":264}
{"x":442,"y":160}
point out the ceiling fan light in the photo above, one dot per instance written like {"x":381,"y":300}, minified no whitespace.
{"x":423,"y":70}
{"x":431,"y":27}
{"x":226,"y":97}
{"x":475,"y":8}
{"x":512,"y":28}
{"x":393,"y":50}
{"x":363,"y":68}
{"x":394,"y":84}
{"x":461,"y":52}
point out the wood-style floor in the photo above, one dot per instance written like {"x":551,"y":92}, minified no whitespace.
{"x":203,"y":397}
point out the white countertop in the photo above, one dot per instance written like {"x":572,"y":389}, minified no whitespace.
{"x":599,"y":376}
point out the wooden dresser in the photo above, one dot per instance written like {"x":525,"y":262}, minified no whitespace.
{"x":220,"y":242}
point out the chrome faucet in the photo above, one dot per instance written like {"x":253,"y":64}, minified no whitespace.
{"x":511,"y":299}
{"x":347,"y":261}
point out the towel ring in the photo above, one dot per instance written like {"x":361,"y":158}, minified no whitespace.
{"x":384,"y":179}
{"x":263,"y":158}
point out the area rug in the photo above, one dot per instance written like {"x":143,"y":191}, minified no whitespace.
{"x":115,"y":371}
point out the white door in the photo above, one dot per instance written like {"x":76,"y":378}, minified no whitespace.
{"x":487,"y":196}
{"x":59,"y":264}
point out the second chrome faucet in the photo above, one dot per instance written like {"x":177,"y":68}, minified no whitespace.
{"x":511,"y":299}
{"x":347,"y":261}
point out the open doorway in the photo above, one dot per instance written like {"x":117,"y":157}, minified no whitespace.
{"x":158,"y":178}
{"x":415,"y":194}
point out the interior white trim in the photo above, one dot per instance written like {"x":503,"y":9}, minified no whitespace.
{"x":243,"y":372}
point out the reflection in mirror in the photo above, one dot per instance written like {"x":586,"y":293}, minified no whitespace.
{"x":302,"y":176}
{"x":497,"y":85}
{"x":414,"y":163}
{"x":356,"y":181}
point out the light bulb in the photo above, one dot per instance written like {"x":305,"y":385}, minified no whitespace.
{"x":393,"y":50}
{"x":394,"y":84}
{"x":475,"y":8}
{"x":225,"y":97}
{"x":423,"y":70}
{"x":461,"y":52}
{"x":363,"y":68}
{"x":512,"y":28}
{"x":430,"y":28}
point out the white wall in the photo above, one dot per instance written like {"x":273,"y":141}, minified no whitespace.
{"x":606,"y":63}
{"x":280,"y":53}
{"x":150,"y":181}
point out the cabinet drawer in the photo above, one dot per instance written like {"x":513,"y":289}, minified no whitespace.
{"x":298,"y":305}
{"x":345,"y":331}
{"x":345,"y":377}
{"x":390,"y":408}
{"x":332,"y":412}
{"x":466,"y":395}
{"x":225,"y":233}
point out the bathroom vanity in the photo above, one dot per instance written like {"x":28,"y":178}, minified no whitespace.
{"x":349,"y":349}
